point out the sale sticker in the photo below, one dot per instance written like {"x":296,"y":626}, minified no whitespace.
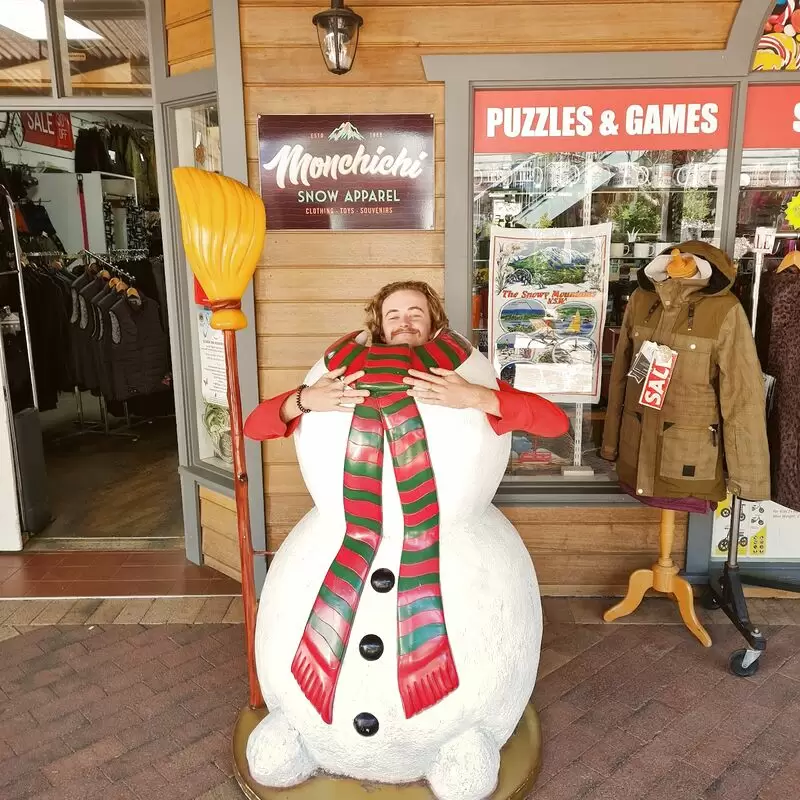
{"x":49,"y":128}
{"x":658,"y":377}
{"x":583,"y":120}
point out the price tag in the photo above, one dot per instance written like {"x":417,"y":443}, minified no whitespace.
{"x":658,"y":376}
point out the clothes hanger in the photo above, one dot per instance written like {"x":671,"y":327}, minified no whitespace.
{"x":791,"y":259}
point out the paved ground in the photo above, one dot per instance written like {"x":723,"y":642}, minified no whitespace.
{"x":92,"y":707}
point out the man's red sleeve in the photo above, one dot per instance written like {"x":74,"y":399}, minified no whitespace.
{"x":266,"y":423}
{"x":522,"y":411}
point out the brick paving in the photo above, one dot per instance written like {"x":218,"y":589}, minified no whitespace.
{"x":103,"y":699}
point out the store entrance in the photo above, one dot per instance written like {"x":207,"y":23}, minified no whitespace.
{"x":86,"y":334}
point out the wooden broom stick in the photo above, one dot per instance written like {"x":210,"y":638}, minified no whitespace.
{"x":223,"y":224}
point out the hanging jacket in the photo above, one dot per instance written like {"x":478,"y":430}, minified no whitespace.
{"x":778,"y":341}
{"x":713,"y":412}
{"x":139,"y":348}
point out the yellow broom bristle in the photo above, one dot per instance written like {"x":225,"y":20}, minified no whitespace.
{"x":223,"y":225}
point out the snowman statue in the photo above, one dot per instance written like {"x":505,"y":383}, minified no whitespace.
{"x":399,"y":628}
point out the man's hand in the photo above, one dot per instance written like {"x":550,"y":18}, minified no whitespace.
{"x":443,"y":387}
{"x":334,"y":392}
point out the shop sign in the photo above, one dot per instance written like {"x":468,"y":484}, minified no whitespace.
{"x":583,"y":120}
{"x":548,"y":292}
{"x":772,"y":118}
{"x":48,"y":128}
{"x":342,"y":172}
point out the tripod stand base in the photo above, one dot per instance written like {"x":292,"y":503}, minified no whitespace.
{"x":665,"y":580}
{"x":520,"y":761}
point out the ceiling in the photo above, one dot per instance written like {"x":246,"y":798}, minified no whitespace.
{"x":121,"y":56}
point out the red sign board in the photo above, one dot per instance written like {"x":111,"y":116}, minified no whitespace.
{"x":772,"y":118}
{"x":581,"y":120}
{"x":49,"y":128}
{"x":342,"y":172}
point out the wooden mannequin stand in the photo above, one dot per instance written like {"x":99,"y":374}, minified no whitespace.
{"x":663,"y":577}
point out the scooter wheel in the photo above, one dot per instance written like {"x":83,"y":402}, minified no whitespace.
{"x":710,"y":602}
{"x":735,"y":664}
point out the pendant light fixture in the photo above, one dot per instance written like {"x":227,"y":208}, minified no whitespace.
{"x":337,"y":29}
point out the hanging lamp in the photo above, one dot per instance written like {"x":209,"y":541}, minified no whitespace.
{"x":337,"y":29}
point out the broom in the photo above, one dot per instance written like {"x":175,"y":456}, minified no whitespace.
{"x":223,"y":224}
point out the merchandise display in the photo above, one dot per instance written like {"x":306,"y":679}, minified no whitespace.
{"x":778,"y":342}
{"x":671,"y":422}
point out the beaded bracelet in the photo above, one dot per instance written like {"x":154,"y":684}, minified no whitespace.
{"x":302,"y":408}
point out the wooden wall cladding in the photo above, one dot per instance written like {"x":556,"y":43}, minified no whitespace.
{"x":311,"y":286}
{"x":190,"y":35}
{"x":576,"y":551}
{"x":218,"y":532}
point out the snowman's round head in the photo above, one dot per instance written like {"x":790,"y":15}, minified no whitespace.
{"x":405,"y":312}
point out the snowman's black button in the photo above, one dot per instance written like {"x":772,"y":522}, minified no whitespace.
{"x":366,"y":724}
{"x":371,"y":647}
{"x":382,"y":580}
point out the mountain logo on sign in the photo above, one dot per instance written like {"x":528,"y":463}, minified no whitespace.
{"x":347,"y":132}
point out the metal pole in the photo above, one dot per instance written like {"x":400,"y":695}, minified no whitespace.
{"x":577,"y":459}
{"x":23,"y":302}
{"x":733,"y":538}
{"x":758,"y":266}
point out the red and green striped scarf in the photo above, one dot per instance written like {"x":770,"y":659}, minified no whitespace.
{"x":426,"y":670}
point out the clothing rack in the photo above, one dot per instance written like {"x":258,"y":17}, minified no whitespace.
{"x":726,"y":589}
{"x":102,"y":427}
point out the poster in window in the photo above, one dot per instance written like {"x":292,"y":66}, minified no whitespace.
{"x":547,"y":308}
{"x":216,"y":418}
{"x":767,"y":531}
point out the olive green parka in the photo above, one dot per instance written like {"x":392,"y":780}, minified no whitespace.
{"x":713,"y":415}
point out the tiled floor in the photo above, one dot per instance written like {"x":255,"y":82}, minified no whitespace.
{"x":144,"y":710}
{"x":116,"y":574}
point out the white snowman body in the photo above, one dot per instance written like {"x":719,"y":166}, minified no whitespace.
{"x":491,"y":605}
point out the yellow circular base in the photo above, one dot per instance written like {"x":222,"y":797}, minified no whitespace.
{"x":519,"y":766}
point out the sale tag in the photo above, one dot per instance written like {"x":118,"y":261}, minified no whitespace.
{"x":658,"y":376}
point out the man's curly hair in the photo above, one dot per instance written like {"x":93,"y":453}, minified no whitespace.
{"x":375,"y":306}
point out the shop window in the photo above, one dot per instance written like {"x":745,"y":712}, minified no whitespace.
{"x":107,"y":47}
{"x":24,"y":49}
{"x":643,"y":167}
{"x":196,"y":131}
{"x":778,"y":49}
{"x":769,"y":186}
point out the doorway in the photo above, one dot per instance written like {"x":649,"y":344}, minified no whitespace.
{"x":86,"y":339}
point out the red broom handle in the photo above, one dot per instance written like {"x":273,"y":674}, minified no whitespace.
{"x":242,"y":516}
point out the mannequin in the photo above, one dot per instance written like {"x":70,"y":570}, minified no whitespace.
{"x":686,"y":419}
{"x":663,"y":577}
